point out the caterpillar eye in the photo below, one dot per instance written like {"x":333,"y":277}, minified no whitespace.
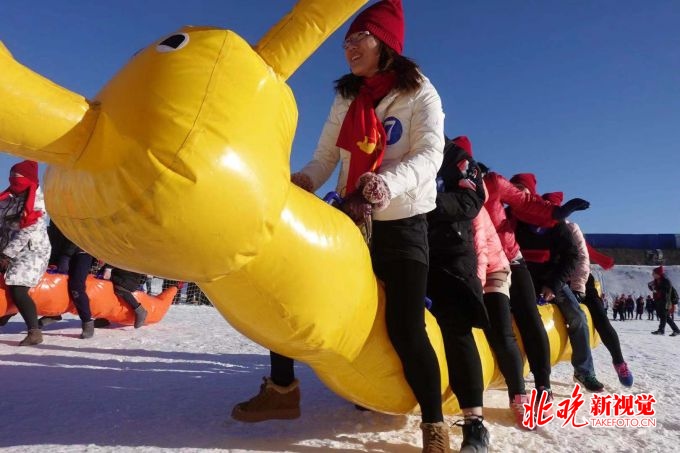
{"x":173,"y":43}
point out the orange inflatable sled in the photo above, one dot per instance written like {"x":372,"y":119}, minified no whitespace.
{"x":52,"y":299}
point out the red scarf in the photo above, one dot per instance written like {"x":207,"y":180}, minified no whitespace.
{"x":18,"y":185}
{"x":362,"y":133}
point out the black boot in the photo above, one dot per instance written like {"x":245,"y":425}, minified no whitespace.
{"x":88,"y":329}
{"x":5,"y":319}
{"x":140,"y":316}
{"x":475,"y":435}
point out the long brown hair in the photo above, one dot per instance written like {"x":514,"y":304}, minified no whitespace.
{"x":408,"y":73}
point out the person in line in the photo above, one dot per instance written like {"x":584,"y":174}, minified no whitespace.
{"x":396,"y":184}
{"x":74,"y":261}
{"x":551,"y":256}
{"x":125,"y":283}
{"x":453,"y":284}
{"x":661,"y":290}
{"x":493,"y":269}
{"x":531,"y":208}
{"x":24,"y":243}
{"x":582,"y":284}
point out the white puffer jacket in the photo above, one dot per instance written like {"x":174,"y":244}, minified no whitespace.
{"x":414,"y":124}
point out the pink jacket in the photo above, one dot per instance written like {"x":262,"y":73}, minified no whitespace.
{"x":493,"y":267}
{"x":526,"y":207}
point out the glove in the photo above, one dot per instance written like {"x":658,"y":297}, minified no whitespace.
{"x":303,"y":181}
{"x":357,"y":207}
{"x":375,"y":190}
{"x":4,"y":262}
{"x":571,"y":206}
{"x":473,"y":179}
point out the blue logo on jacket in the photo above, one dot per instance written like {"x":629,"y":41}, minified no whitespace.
{"x":393,"y":129}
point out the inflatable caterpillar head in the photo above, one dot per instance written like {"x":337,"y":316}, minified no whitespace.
{"x":183,"y":157}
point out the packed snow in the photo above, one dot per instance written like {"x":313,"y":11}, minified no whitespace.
{"x":171,"y":386}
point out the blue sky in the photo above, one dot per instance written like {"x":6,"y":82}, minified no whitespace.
{"x":586,"y":94}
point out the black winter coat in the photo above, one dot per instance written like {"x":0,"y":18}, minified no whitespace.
{"x":61,"y":245}
{"x":563,"y":253}
{"x":450,"y":233}
{"x":662,"y":293}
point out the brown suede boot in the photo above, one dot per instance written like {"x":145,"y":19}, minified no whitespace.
{"x":34,"y":337}
{"x":273,"y":402}
{"x":435,"y":437}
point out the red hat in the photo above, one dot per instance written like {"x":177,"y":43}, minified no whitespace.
{"x":528,"y":180}
{"x":658,"y":271}
{"x":554,"y":198}
{"x":28,"y":182}
{"x":385,"y":21}
{"x":464,"y":143}
{"x":27,"y":169}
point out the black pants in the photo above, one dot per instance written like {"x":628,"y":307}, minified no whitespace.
{"x":282,"y":371}
{"x":399,"y":253}
{"x":78,"y":270}
{"x":25,"y":305}
{"x":664,"y":318}
{"x":126,"y":295}
{"x":503,"y":342}
{"x":529,"y":323}
{"x":455,"y":321}
{"x":405,"y":289}
{"x":602,"y":325}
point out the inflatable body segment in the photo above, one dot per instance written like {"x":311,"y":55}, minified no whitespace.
{"x":186,"y":175}
{"x":52,"y":299}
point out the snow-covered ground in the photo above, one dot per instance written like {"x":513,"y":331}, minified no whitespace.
{"x":171,"y":386}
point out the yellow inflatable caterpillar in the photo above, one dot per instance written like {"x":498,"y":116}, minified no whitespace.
{"x":179,"y":167}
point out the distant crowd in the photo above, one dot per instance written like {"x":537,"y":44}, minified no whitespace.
{"x":660,"y":305}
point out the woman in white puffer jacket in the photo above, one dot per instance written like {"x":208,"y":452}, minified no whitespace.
{"x":386,"y":129}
